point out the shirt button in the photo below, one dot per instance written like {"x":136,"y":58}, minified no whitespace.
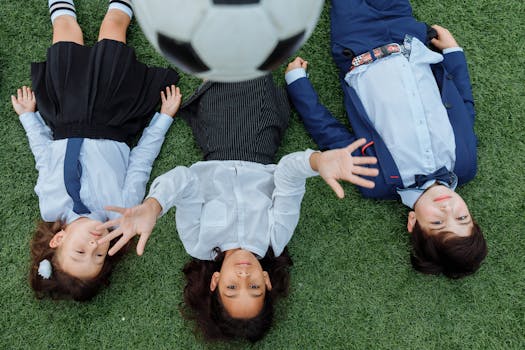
{"x":450,"y":76}
{"x":448,"y":105}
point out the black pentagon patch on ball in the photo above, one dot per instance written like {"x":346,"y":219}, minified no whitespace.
{"x":235,"y":2}
{"x":284,"y":49}
{"x":181,"y":53}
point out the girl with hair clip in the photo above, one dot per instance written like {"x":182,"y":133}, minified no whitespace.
{"x":236,"y":210}
{"x":93,"y":103}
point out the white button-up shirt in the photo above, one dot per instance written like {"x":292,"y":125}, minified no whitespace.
{"x":235,"y":204}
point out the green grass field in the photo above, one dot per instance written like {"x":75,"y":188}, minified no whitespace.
{"x":352,"y":284}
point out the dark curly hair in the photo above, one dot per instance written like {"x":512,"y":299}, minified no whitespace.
{"x":62,"y":285}
{"x":451,"y":255}
{"x":205,"y":308}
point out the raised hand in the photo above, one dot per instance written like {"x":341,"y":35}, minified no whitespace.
{"x":25,"y":100}
{"x":338,"y":164}
{"x":171,"y":100}
{"x":138,"y":220}
{"x":298,"y":62}
{"x":444,"y":39}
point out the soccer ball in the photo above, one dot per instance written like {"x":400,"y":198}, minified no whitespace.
{"x":227,"y":40}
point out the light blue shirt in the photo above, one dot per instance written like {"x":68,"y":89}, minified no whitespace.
{"x":403,"y":102}
{"x":235,"y":204}
{"x":112,"y":174}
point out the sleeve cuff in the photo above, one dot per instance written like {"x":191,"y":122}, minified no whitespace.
{"x":309,"y":171}
{"x":452,"y":49}
{"x":31,"y":120}
{"x":161,"y":121}
{"x":294,"y":74}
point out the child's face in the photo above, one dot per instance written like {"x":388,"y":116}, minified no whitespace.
{"x":77,"y":250}
{"x":242,"y":284}
{"x":441,"y":210}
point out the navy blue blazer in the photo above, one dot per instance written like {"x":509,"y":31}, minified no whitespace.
{"x":453,"y":80}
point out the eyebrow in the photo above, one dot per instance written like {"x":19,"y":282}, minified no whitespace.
{"x":75,"y":259}
{"x":233,"y":296}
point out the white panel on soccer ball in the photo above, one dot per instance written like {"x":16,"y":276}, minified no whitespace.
{"x":243,"y":44}
{"x":177,"y":18}
{"x":290,"y":16}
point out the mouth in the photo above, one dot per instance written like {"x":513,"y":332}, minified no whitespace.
{"x":244,"y":263}
{"x":442,"y":198}
{"x":95,"y":234}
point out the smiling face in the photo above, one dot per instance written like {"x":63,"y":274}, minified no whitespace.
{"x":440,"y":210}
{"x":241,"y":283}
{"x":77,"y":250}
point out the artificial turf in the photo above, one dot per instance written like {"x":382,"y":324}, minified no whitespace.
{"x":352,"y":285}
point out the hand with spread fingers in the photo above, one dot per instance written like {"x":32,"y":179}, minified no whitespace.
{"x":138,"y":220}
{"x":25,"y":101}
{"x":338,"y":164}
{"x":171,"y":100}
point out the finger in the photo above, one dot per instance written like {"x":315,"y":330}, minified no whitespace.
{"x":168,"y":92}
{"x":364,"y":160}
{"x":359,"y":181}
{"x":119,"y":210}
{"x":355,"y":145}
{"x":108,"y":224}
{"x":336,"y":187}
{"x":173,"y":90}
{"x":142,"y":243}
{"x":162,"y":97}
{"x":120,"y":243}
{"x":110,"y":236}
{"x":24,"y":93}
{"x":33,"y":96}
{"x":365,"y":171}
{"x":14,"y":101}
{"x":19,"y":93}
{"x":177,"y":92}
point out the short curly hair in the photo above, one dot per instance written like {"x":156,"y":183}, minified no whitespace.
{"x":205,"y":307}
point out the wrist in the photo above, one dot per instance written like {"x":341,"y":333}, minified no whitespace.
{"x":153,"y":206}
{"x":314,"y":160}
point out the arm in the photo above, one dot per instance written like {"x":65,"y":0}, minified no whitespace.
{"x":38,"y":133}
{"x":456,"y":65}
{"x":290,"y":178}
{"x":143,"y":155}
{"x":177,"y":186}
{"x":326,"y":130}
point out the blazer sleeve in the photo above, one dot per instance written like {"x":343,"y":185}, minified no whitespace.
{"x":455,"y":64}
{"x":326,"y":130}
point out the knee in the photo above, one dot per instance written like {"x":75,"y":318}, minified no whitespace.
{"x":117,"y":19}
{"x":66,"y":22}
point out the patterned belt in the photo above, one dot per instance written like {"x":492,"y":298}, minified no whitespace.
{"x":375,"y":54}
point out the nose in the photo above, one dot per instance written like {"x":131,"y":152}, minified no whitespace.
{"x":445,"y":207}
{"x":243,"y":273}
{"x":93,"y":243}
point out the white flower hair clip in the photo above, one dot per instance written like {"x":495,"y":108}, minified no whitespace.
{"x":45,"y":269}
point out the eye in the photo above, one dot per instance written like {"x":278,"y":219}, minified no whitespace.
{"x":80,"y":252}
{"x":436,"y":222}
{"x":462,"y":218}
{"x":231,"y":286}
{"x":100,"y":254}
{"x":254,"y":286}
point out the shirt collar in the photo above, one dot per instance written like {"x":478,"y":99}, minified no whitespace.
{"x":409,"y":196}
{"x":98,"y":215}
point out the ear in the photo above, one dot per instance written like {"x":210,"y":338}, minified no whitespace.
{"x":57,"y":239}
{"x":214,"y":281}
{"x":411,"y":222}
{"x":267,"y":281}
